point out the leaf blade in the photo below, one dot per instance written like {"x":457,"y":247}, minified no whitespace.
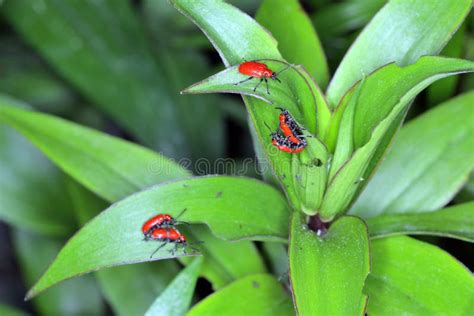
{"x":175,"y":300}
{"x":377,"y":125}
{"x":454,"y":222}
{"x":432,"y":152}
{"x":221,"y":266}
{"x":26,"y":190}
{"x":108,"y":174}
{"x":223,"y":24}
{"x":99,"y":244}
{"x":258,"y":45}
{"x":144,"y":280}
{"x":258,"y":294}
{"x":402,"y":280}
{"x":328,"y":273}
{"x":8,"y":310}
{"x":297,"y":38}
{"x":63,"y":299}
{"x":404,"y":27}
{"x":108,"y":49}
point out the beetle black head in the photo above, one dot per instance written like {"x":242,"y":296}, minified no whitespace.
{"x":275,"y":77}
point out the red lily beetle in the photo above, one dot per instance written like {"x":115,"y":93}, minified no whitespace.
{"x":169,"y":235}
{"x":286,"y":145}
{"x":158,"y":221}
{"x":290,"y":128}
{"x":254,"y":69}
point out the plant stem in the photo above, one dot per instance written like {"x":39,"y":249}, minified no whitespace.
{"x":317,"y":225}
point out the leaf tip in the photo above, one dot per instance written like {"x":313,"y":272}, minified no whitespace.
{"x":187,"y":90}
{"x":30,"y":294}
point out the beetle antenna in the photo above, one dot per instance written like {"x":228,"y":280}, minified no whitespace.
{"x":284,"y":69}
{"x":182,"y":212}
{"x":267,"y":126}
{"x":181,"y":222}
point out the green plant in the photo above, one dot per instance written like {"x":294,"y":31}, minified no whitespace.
{"x":351,"y":257}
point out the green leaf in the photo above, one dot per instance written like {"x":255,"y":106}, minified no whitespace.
{"x":384,"y":89}
{"x":468,"y":83}
{"x":141,"y":169}
{"x":296,"y":94}
{"x":183,"y":69}
{"x":34,"y":253}
{"x":223,"y":25}
{"x":297,"y":39}
{"x":414,"y":278}
{"x":310,"y":177}
{"x":428,"y":151}
{"x":108,"y":166}
{"x":259,"y":294}
{"x":344,"y":146}
{"x":401,"y":32}
{"x":221,"y":266}
{"x":328,"y":272}
{"x":225,"y":204}
{"x":182,"y":63}
{"x":7,"y":310}
{"x":241,"y":38}
{"x":176,"y":299}
{"x":338,"y":24}
{"x":342,"y":17}
{"x":374,"y":125}
{"x":27,"y":190}
{"x":467,"y":192}
{"x":26,"y":77}
{"x":444,"y":89}
{"x":277,"y":256}
{"x":108,"y":59}
{"x":146,"y":281}
{"x":455,"y":222}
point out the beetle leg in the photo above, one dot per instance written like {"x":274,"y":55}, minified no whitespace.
{"x":174,"y":250}
{"x":164,"y":243}
{"x":194,"y":249}
{"x":245,"y":80}
{"x":254,"y":89}
{"x":266,"y":82}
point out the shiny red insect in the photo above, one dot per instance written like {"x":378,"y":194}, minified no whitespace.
{"x":286,"y":145}
{"x":290,"y":128}
{"x":254,"y":69}
{"x":167,"y":235}
{"x":159,"y":221}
